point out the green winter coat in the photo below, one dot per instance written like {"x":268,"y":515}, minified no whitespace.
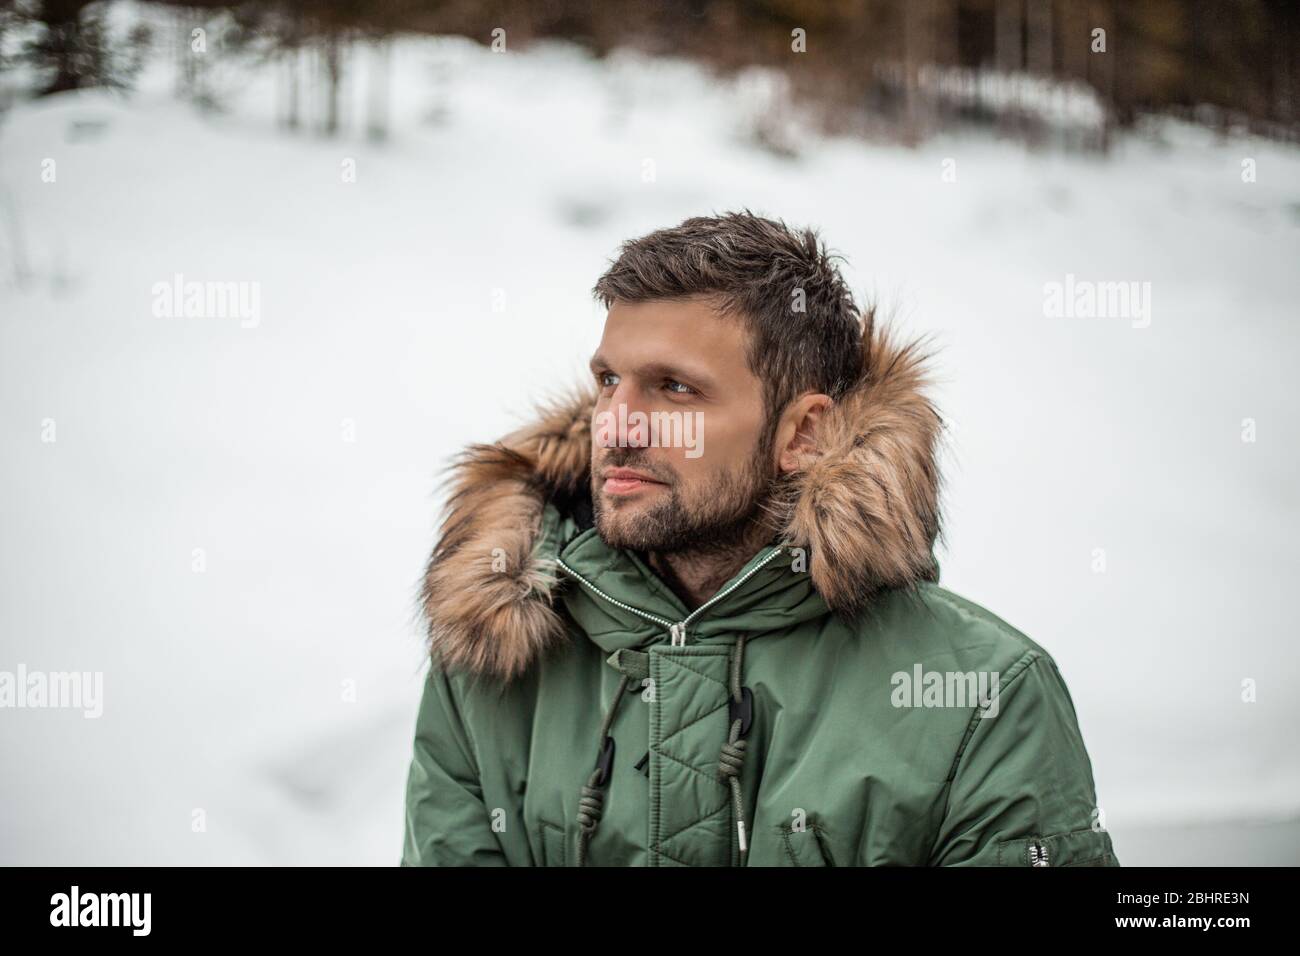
{"x":868,"y":738}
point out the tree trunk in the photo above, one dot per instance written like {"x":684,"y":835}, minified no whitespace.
{"x":377,"y":108}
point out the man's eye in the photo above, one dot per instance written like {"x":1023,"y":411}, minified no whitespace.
{"x":675,"y":386}
{"x":607,"y":379}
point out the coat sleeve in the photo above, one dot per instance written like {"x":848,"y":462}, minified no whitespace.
{"x":447,"y":823}
{"x":1021,"y":785}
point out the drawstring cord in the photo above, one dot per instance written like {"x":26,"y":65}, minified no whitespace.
{"x":591,"y":804}
{"x":732,"y":759}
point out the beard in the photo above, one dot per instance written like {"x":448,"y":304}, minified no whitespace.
{"x":724,"y":514}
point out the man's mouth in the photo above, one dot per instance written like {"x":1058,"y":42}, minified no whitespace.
{"x":628,"y":481}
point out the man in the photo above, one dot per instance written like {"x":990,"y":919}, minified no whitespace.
{"x":691,"y":618}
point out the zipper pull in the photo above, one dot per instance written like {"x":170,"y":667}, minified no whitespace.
{"x":677,"y":635}
{"x":1037,"y":854}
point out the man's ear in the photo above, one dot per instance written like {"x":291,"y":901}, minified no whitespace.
{"x":796,"y":435}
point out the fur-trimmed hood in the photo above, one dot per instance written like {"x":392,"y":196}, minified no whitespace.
{"x":866,"y":510}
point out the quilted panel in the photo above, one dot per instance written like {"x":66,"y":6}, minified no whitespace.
{"x":690,"y":806}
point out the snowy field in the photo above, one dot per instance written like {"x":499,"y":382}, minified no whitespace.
{"x":1101,"y":497}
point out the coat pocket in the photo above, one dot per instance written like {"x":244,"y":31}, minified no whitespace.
{"x":1076,"y":848}
{"x":553,"y":844}
{"x":806,"y":847}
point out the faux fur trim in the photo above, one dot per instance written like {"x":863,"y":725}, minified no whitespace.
{"x":867,"y":510}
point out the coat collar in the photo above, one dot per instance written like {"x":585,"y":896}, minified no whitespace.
{"x":866,"y":513}
{"x":620,"y":603}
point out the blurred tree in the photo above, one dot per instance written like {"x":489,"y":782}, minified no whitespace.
{"x":903,"y":67}
{"x":74,"y":47}
{"x":325,"y":32}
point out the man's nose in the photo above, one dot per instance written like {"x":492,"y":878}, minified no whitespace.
{"x":631,"y":417}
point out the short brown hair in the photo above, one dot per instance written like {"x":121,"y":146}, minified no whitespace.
{"x":755,"y":268}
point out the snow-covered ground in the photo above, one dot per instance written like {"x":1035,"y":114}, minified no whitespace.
{"x":431,"y":301}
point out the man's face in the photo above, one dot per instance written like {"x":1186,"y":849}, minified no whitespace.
{"x":683,"y":365}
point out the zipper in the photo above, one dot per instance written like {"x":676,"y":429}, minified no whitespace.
{"x":722,"y":594}
{"x":663,"y":622}
{"x":1037,"y":853}
{"x":676,"y":632}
